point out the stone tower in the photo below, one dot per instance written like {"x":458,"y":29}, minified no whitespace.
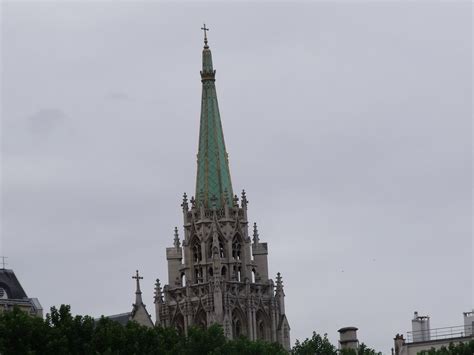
{"x":219,"y":274}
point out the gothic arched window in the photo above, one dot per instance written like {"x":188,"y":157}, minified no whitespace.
{"x":198,"y":275}
{"x":261,"y":330}
{"x":237,"y":274}
{"x":221,"y":248}
{"x":236,"y":248}
{"x":211,"y":251}
{"x":200,"y":320}
{"x":196,"y":247}
{"x":238,"y":324}
{"x":237,"y":328}
{"x":179,"y":323}
{"x":263,"y":325}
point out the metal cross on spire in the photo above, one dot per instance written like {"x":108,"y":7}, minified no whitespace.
{"x":205,"y":29}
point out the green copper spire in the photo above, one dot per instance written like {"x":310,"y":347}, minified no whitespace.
{"x":213,"y":183}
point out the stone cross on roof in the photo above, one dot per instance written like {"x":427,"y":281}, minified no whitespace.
{"x":138,"y":292}
{"x":137,"y":277}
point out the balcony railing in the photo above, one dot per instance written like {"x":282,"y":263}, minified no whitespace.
{"x":440,"y":333}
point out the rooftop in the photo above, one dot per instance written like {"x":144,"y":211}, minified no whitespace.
{"x":459,"y":331}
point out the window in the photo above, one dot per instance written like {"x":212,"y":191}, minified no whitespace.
{"x":237,"y":273}
{"x":200,"y":320}
{"x":221,"y":249}
{"x":198,"y":275}
{"x":179,"y":323}
{"x":236,"y":248}
{"x":197,"y":255}
{"x":262,"y":326}
{"x":238,"y":324}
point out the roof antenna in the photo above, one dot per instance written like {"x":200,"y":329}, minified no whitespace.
{"x":3,"y":261}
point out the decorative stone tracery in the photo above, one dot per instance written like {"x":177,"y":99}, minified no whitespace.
{"x":218,"y":274}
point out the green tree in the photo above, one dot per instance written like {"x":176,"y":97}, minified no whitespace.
{"x":243,"y":346}
{"x":22,"y":334}
{"x":62,"y":333}
{"x":452,"y":349}
{"x":68,"y":334}
{"x":202,"y":341}
{"x":317,"y":345}
{"x":362,"y":350}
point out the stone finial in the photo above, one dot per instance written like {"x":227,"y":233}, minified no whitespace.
{"x":193,"y":202}
{"x":256,"y":240}
{"x":236,"y":201}
{"x":279,"y":281}
{"x":244,"y":199}
{"x":138,"y":292}
{"x":185,"y":202}
{"x":158,"y":292}
{"x":177,"y":244}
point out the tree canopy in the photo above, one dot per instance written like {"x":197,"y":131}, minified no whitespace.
{"x":452,"y":349}
{"x":62,"y":333}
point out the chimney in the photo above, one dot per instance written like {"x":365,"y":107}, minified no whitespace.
{"x":469,"y":323}
{"x":348,"y":338}
{"x":420,"y":326}
{"x":399,"y":342}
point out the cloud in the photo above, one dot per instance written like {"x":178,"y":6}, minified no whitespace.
{"x":46,"y":120}
{"x":349,"y":129}
{"x":118,"y":96}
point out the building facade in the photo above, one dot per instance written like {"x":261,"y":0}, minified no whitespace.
{"x":13,"y":295}
{"x":423,"y":337}
{"x":218,"y":273}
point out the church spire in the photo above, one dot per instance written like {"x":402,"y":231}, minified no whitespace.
{"x":138,"y":292}
{"x":213,"y":173}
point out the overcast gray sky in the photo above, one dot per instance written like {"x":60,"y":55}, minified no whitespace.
{"x":348,"y":124}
